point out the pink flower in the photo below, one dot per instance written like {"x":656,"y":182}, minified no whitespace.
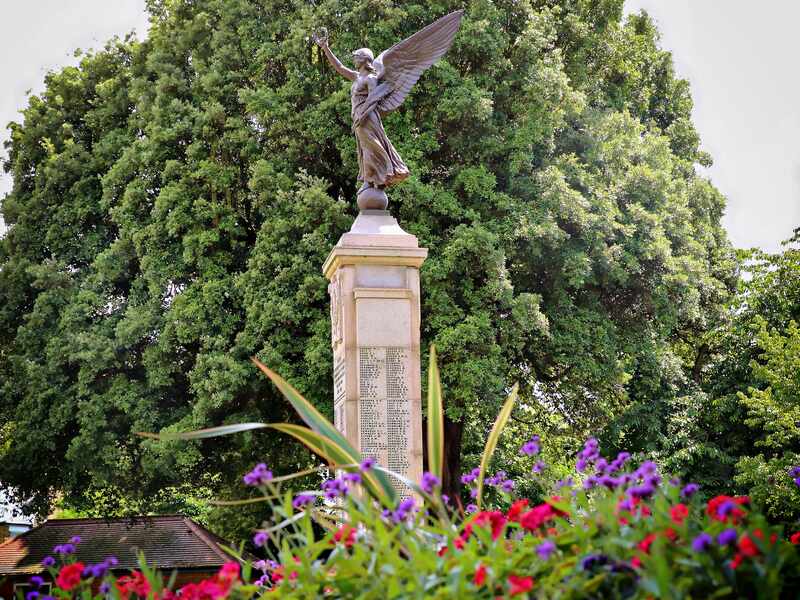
{"x":480,"y":576}
{"x":519,"y":585}
{"x":678,"y":513}
{"x":70,"y":576}
{"x":135,"y":584}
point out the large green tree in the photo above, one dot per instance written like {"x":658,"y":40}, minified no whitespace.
{"x":174,"y":199}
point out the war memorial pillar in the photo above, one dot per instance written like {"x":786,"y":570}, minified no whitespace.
{"x":375,"y":332}
{"x":374,"y":268}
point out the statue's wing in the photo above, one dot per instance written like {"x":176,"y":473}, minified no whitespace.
{"x":401,"y":65}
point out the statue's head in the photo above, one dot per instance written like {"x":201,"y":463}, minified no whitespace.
{"x":362,"y":57}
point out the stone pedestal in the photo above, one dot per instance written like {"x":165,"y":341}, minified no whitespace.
{"x":375,"y":325}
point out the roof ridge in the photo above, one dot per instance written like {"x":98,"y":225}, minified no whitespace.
{"x":202,"y":532}
{"x":174,"y":517}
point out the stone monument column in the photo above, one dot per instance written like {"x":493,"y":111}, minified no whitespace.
{"x":375,"y":332}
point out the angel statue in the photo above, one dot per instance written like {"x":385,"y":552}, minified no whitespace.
{"x":379,"y":86}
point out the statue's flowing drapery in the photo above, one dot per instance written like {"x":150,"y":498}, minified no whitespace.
{"x":378,"y":162}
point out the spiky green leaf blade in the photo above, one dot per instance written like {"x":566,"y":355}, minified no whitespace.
{"x":203,"y":433}
{"x":338,"y":456}
{"x":318,"y":423}
{"x":494,"y":436}
{"x":435,"y":418}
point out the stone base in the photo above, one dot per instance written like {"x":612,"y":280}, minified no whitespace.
{"x":375,"y":335}
{"x":372,"y":198}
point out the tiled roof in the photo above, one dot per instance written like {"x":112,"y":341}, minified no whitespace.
{"x":168,"y":542}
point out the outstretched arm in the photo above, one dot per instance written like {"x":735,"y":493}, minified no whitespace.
{"x":335,"y":62}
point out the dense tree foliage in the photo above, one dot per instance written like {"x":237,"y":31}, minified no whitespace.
{"x":174,"y":199}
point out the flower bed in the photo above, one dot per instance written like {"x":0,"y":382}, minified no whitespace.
{"x":620,"y":532}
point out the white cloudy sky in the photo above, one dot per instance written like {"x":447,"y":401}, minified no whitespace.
{"x":740,"y":57}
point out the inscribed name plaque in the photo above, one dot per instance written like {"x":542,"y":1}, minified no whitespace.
{"x":384,"y":415}
{"x":384,"y":365}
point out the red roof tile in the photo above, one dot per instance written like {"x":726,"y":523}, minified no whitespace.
{"x":168,"y":542}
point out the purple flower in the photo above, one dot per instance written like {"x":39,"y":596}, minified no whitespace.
{"x":76,"y":539}
{"x":64,"y":549}
{"x":702,"y":542}
{"x":641,"y":491}
{"x":565,"y":483}
{"x":471,"y":508}
{"x":546,"y":549}
{"x":608,"y":481}
{"x":446,"y":499}
{"x":726,"y":508}
{"x":352,"y":477}
{"x":260,"y":539}
{"x":580,"y":465}
{"x":429,"y":482}
{"x":797,"y":481}
{"x":32,"y":595}
{"x":531,"y":447}
{"x":105,"y":588}
{"x":263,"y":581}
{"x":507,"y":486}
{"x":367,"y":463}
{"x":593,"y":559}
{"x":468,"y":478}
{"x":260,"y":475}
{"x":473,"y":492}
{"x":48,"y":561}
{"x":303,"y":500}
{"x":727,"y":537}
{"x":111,"y":561}
{"x":404,"y":509}
{"x":496,"y":479}
{"x":335,"y":488}
{"x":601,"y":465}
{"x":538,"y":467}
{"x":590,"y":482}
{"x":689,"y":490}
{"x":37,"y":581}
{"x":260,"y":565}
{"x":794,"y":471}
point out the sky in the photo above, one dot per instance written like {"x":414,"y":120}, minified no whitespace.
{"x":739,"y":57}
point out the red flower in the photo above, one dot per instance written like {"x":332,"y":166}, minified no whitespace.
{"x":135,"y":584}
{"x":516,"y":509}
{"x":670,"y":534}
{"x":495,"y":518}
{"x":645,"y":544}
{"x":636,"y":562}
{"x":538,"y":516}
{"x":795,"y":539}
{"x":519,"y":585}
{"x":345,"y":534}
{"x":712,"y":508}
{"x":70,"y":576}
{"x":747,"y":546}
{"x":480,"y":576}
{"x":678,"y":513}
{"x":229,"y":572}
{"x":737,"y":560}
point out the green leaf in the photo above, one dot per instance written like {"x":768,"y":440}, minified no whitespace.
{"x":376,"y":483}
{"x":329,"y":437}
{"x":494,"y":436}
{"x":435,"y":418}
{"x":203,"y":433}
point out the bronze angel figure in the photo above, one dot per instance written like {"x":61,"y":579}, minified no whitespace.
{"x":379,"y":86}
